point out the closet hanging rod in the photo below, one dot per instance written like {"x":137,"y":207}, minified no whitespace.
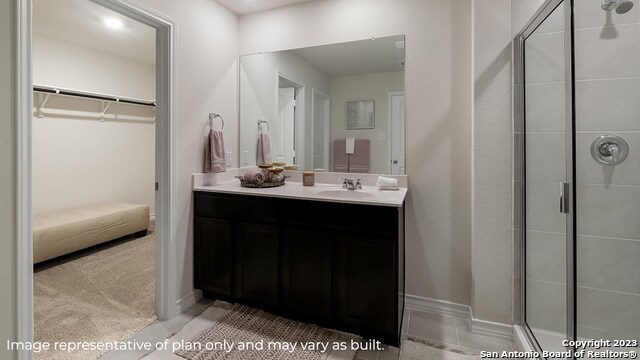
{"x":87,"y":95}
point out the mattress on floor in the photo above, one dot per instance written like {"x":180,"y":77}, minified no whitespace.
{"x":62,"y":232}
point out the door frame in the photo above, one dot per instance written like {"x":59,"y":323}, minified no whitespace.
{"x":166,"y":261}
{"x":390,"y":95}
{"x":520,"y":124}
{"x":327,"y":124}
{"x":286,"y":112}
{"x":300,"y":114}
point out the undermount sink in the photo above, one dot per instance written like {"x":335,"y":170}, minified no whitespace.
{"x":346,"y":194}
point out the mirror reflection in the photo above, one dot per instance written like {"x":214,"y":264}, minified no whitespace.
{"x":337,"y":107}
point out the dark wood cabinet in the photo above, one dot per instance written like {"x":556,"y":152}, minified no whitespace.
{"x":339,"y":265}
{"x":366,"y":277}
{"x":257,"y":263}
{"x":306,"y":272}
{"x":213,"y":250}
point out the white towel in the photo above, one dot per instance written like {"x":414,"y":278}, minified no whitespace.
{"x":351,"y":144}
{"x":385,"y":181}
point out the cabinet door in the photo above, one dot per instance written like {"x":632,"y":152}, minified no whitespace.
{"x":367,"y":282}
{"x":213,"y":254}
{"x":257,"y":263}
{"x":307,"y":272}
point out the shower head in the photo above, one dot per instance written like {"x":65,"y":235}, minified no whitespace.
{"x":620,"y":6}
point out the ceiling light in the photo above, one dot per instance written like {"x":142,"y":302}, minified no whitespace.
{"x":113,"y":23}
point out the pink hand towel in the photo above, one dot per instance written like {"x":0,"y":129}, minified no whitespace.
{"x":214,"y":155}
{"x":359,"y":161}
{"x":264,"y":149}
{"x":340,"y":157}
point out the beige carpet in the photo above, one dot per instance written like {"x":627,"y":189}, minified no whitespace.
{"x":240,"y":326}
{"x":101,"y":294}
{"x":416,"y":350}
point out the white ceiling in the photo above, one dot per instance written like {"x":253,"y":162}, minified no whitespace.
{"x":242,"y":7}
{"x":82,"y":22}
{"x":357,"y":57}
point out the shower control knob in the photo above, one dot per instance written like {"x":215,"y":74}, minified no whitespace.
{"x":612,"y":150}
{"x":609,"y":149}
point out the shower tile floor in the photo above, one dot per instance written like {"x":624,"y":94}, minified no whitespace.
{"x":445,"y":330}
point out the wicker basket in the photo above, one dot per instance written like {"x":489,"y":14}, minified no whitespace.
{"x":266,"y":184}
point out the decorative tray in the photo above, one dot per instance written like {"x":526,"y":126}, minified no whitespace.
{"x":265,"y":184}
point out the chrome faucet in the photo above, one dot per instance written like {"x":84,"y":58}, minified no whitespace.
{"x":351,"y":184}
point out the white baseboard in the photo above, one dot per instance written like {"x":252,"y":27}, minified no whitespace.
{"x":463,"y":312}
{"x":437,"y":306}
{"x":490,"y":328}
{"x":189,"y":300}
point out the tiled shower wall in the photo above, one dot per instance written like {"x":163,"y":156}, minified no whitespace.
{"x":607,"y":65}
{"x":607,"y":70}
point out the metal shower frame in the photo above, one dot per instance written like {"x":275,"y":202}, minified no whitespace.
{"x":520,"y":117}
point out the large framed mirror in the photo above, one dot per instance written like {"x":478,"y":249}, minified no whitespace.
{"x":337,"y":107}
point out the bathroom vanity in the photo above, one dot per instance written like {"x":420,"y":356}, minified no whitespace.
{"x":320,"y":254}
{"x":302,"y":255}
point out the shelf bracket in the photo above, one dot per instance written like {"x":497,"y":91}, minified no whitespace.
{"x":105,"y":107}
{"x":43,"y":103}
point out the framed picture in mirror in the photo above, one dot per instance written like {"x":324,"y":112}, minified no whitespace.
{"x":361,"y":115}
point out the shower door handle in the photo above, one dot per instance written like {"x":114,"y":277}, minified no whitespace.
{"x":564,"y":197}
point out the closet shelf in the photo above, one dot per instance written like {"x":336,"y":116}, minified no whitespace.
{"x":94,"y":96}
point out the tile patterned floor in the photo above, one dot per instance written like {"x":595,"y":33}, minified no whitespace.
{"x":446,"y":330}
{"x":440,"y":329}
{"x":159,"y":331}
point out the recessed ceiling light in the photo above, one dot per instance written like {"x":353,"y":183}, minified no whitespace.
{"x":113,"y":23}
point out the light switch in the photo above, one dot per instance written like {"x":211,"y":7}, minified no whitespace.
{"x":227,"y":158}
{"x":381,"y":136}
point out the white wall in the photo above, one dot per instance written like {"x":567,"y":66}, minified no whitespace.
{"x":77,"y":159}
{"x":206,"y":81}
{"x":64,"y":64}
{"x":492,"y":241}
{"x":365,"y":87}
{"x":258,"y":99}
{"x":438,"y":117}
{"x":521,"y":13}
{"x":7,"y":184}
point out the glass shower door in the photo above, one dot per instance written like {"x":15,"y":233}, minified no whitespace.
{"x":580,"y":74}
{"x":547,"y":160}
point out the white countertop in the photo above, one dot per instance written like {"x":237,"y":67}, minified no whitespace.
{"x":369,"y":195}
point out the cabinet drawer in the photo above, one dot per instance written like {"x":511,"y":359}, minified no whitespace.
{"x":235,"y":207}
{"x":342,"y":216}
